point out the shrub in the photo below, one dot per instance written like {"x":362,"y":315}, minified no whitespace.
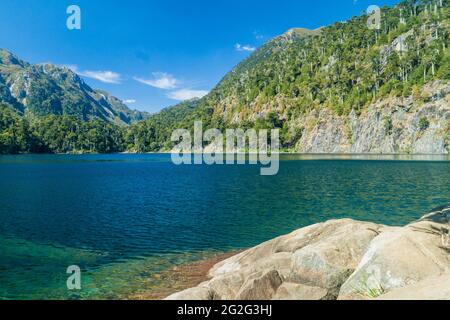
{"x":424,"y":124}
{"x":388,"y":125}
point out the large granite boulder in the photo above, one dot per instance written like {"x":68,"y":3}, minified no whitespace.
{"x":295,"y":291}
{"x":329,"y":261}
{"x":400,"y":257}
{"x":433,"y":288}
{"x":261,"y":286}
{"x":315,"y":260}
{"x":339,"y":259}
{"x":196,"y":294}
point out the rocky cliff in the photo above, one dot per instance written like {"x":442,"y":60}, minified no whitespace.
{"x":418,"y":125}
{"x":343,"y":88}
{"x":339,"y":259}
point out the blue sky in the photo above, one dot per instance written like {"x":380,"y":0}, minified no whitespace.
{"x":152,"y":54}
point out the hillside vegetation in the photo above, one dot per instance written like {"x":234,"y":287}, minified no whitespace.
{"x":340,"y":88}
{"x":344,"y":68}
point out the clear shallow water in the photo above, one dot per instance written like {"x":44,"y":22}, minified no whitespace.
{"x":123,"y":218}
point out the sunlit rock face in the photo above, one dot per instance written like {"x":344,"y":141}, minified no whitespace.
{"x":338,"y":259}
{"x":392,"y":125}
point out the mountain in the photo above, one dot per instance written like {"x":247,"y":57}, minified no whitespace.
{"x":45,"y":89}
{"x":154,"y":134}
{"x":344,"y":88}
{"x":341,"y":88}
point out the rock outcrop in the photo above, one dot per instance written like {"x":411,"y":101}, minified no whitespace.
{"x":390,"y":126}
{"x":393,"y":125}
{"x":339,"y":259}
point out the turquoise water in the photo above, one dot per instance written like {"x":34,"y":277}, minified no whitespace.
{"x":124,"y":218}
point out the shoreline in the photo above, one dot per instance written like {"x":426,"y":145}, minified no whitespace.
{"x":341,"y":259}
{"x":182,"y":277}
{"x":446,"y":155}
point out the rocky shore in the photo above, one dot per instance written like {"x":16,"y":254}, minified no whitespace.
{"x":339,"y":259}
{"x":179,"y":278}
{"x":389,"y":126}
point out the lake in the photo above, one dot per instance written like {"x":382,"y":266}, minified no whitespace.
{"x":125,"y":218}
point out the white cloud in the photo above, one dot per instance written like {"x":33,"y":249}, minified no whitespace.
{"x":72,"y":67}
{"x":161,"y":80}
{"x":187,"y":94}
{"x":240,"y":47}
{"x":103,"y":76}
{"x":166,"y":81}
{"x":129,"y":101}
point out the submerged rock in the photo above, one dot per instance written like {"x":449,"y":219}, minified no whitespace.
{"x":338,"y":259}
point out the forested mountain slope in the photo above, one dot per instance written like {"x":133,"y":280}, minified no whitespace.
{"x":341,"y":88}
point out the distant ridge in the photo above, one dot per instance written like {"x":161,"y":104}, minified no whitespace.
{"x":47,"y":89}
{"x":340,"y":88}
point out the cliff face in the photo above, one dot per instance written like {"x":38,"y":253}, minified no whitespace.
{"x":417,"y":124}
{"x":343,"y":88}
{"x":339,"y":259}
{"x":393,"y":125}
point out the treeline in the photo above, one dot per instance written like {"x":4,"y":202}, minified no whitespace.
{"x":15,"y":133}
{"x":344,"y":68}
{"x":348,"y":65}
{"x":57,"y":134}
{"x":68,"y":134}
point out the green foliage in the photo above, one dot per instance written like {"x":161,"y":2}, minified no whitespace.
{"x":343,"y":67}
{"x":290,"y":136}
{"x":424,"y":124}
{"x":155,"y":133}
{"x":15,"y":133}
{"x":388,"y":125}
{"x":56,"y":134}
{"x":67,"y":134}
